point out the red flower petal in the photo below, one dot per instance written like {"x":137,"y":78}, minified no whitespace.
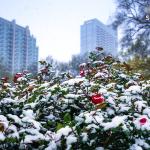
{"x":97,"y":99}
{"x":17,"y":75}
{"x":143,"y":121}
{"x":4,"y":79}
{"x":82,"y":73}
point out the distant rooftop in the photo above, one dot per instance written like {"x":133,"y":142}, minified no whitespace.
{"x":106,"y":27}
{"x":14,"y":21}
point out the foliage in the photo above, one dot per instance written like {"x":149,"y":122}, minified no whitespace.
{"x":141,"y":65}
{"x":140,"y":48}
{"x":106,"y":108}
{"x":131,"y":17}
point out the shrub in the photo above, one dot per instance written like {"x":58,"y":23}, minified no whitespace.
{"x":107,"y":107}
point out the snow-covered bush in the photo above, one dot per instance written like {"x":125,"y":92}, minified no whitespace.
{"x":105,"y":107}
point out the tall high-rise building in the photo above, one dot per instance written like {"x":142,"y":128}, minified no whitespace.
{"x":94,"y":33}
{"x":18,"y":50}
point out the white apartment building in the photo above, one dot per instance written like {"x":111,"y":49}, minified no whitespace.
{"x":18,"y":49}
{"x":94,"y":33}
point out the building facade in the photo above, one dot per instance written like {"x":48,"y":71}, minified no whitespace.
{"x":18,"y":50}
{"x":94,"y":33}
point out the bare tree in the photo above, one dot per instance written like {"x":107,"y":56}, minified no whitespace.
{"x":133,"y":16}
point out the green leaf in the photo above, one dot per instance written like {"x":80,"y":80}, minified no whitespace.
{"x":49,"y":122}
{"x":67,"y":118}
{"x":59,"y":126}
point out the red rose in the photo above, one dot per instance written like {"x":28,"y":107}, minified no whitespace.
{"x":143,"y":121}
{"x":4,"y":79}
{"x":82,"y":73}
{"x":17,"y":75}
{"x":97,"y":99}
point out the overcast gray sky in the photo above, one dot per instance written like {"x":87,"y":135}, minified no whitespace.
{"x":56,"y":23}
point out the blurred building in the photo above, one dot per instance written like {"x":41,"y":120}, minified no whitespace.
{"x":18,"y":50}
{"x":94,"y":33}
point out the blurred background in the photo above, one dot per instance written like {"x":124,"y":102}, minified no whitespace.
{"x":64,"y":32}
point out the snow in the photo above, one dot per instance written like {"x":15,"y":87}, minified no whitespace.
{"x":68,"y":101}
{"x":34,"y":123}
{"x":116,"y":121}
{"x":123,"y":76}
{"x":146,"y":111}
{"x":99,"y":148}
{"x":84,"y":137}
{"x":135,"y":89}
{"x":63,"y":131}
{"x":110,"y":85}
{"x":13,"y":129}
{"x":119,"y":87}
{"x":79,"y":119}
{"x":51,"y":107}
{"x":92,"y":117}
{"x":73,"y":81}
{"x":123,"y":107}
{"x":92,"y":126}
{"x":86,"y":83}
{"x":124,"y":98}
{"x":102,"y":91}
{"x":15,"y":118}
{"x":141,"y":142}
{"x":72,"y":96}
{"x":100,"y":74}
{"x":7,"y":101}
{"x":110,"y":100}
{"x":110,"y":111}
{"x":3,"y":118}
{"x":98,"y":62}
{"x":140,"y":105}
{"x":52,"y":146}
{"x":126,"y":106}
{"x":98,"y":118}
{"x":29,"y":131}
{"x":135,"y":147}
{"x":111,"y":94}
{"x":82,"y":65}
{"x":88,"y":118}
{"x":7,"y":84}
{"x":21,"y":79}
{"x":46,"y":84}
{"x":50,"y":117}
{"x":32,"y":138}
{"x":29,"y":113}
{"x":2,"y":137}
{"x":49,"y":135}
{"x":71,"y":139}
